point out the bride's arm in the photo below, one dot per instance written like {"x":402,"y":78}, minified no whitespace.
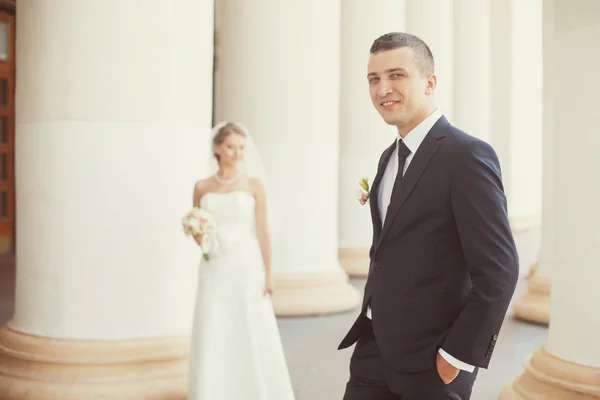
{"x":262,"y":226}
{"x":196,"y":203}
{"x":196,"y":200}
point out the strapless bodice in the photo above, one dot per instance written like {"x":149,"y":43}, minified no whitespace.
{"x":234,"y":214}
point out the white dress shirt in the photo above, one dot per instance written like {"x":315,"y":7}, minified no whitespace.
{"x":412,"y":140}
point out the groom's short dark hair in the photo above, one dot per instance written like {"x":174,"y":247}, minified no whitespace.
{"x":397,"y":40}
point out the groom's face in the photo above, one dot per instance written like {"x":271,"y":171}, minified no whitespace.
{"x":398,"y":90}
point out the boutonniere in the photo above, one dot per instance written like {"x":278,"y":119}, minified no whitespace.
{"x":364,"y":186}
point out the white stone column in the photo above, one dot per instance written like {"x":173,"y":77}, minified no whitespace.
{"x":524,"y":168}
{"x":472,"y":68}
{"x":516,"y":49}
{"x":534,"y":304}
{"x":278,"y":67}
{"x":432,"y":21}
{"x":363,"y":133}
{"x":113,"y":108}
{"x":568,"y":366}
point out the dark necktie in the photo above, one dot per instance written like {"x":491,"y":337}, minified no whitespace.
{"x":403,"y":152}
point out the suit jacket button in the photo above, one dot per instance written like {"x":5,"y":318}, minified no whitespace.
{"x":378,"y":264}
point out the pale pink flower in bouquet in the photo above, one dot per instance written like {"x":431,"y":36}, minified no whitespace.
{"x":199,"y":222}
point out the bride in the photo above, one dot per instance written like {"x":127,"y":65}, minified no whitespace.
{"x":236,"y":351}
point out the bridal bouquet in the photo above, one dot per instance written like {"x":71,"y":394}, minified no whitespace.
{"x":199,"y":222}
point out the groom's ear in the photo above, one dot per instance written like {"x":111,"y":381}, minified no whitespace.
{"x":431,"y":84}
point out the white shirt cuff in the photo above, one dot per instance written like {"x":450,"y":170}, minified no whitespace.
{"x":456,"y":363}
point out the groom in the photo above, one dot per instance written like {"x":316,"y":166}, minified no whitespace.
{"x":443,"y":260}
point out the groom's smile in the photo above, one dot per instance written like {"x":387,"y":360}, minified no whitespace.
{"x":388,"y":104}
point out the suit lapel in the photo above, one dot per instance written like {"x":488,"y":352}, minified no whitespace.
{"x":417,"y":166}
{"x":373,"y":197}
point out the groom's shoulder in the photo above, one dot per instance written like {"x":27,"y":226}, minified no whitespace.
{"x":460,"y":141}
{"x":463,"y":147}
{"x":459,"y":137}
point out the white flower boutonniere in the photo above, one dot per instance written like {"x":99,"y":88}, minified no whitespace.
{"x":364,"y":185}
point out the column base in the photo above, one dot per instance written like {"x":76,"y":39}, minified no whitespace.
{"x":547,"y":377}
{"x":534,"y":305}
{"x":317,"y":293}
{"x":355,"y":261}
{"x":41,"y":368}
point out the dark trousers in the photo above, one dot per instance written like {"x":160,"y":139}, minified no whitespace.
{"x":372,"y":379}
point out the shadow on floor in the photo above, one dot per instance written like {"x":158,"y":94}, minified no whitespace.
{"x":319,"y":371}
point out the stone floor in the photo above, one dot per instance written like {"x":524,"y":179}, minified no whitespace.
{"x":319,"y":371}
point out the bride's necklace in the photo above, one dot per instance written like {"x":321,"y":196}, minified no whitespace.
{"x":227,"y":181}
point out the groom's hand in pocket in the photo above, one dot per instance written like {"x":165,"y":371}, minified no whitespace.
{"x":447,"y":371}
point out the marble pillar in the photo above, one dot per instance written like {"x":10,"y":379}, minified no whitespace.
{"x":363,"y":133}
{"x":113,"y":105}
{"x":432,"y":21}
{"x":526,"y":74}
{"x":472,"y":68}
{"x":517,"y":118}
{"x":568,"y":366}
{"x":278,"y":72}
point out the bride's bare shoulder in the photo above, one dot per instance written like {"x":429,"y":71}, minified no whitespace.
{"x":202,"y":185}
{"x":256,"y":186}
{"x":255,"y":182}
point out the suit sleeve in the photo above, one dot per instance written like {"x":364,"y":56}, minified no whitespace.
{"x":480,"y":212}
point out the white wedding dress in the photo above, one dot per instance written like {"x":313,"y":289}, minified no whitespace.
{"x":236,"y":351}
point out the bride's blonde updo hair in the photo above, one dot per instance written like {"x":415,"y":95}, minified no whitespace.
{"x":230,"y":128}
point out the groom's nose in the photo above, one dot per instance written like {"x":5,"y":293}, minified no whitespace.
{"x":384,"y":89}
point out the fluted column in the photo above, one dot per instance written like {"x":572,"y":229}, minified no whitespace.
{"x":432,"y":21}
{"x":113,"y":108}
{"x":568,"y":366}
{"x":278,"y":67}
{"x":516,"y":50}
{"x":525,"y":114}
{"x":472,"y":68}
{"x":363,"y":133}
{"x":530,"y":110}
